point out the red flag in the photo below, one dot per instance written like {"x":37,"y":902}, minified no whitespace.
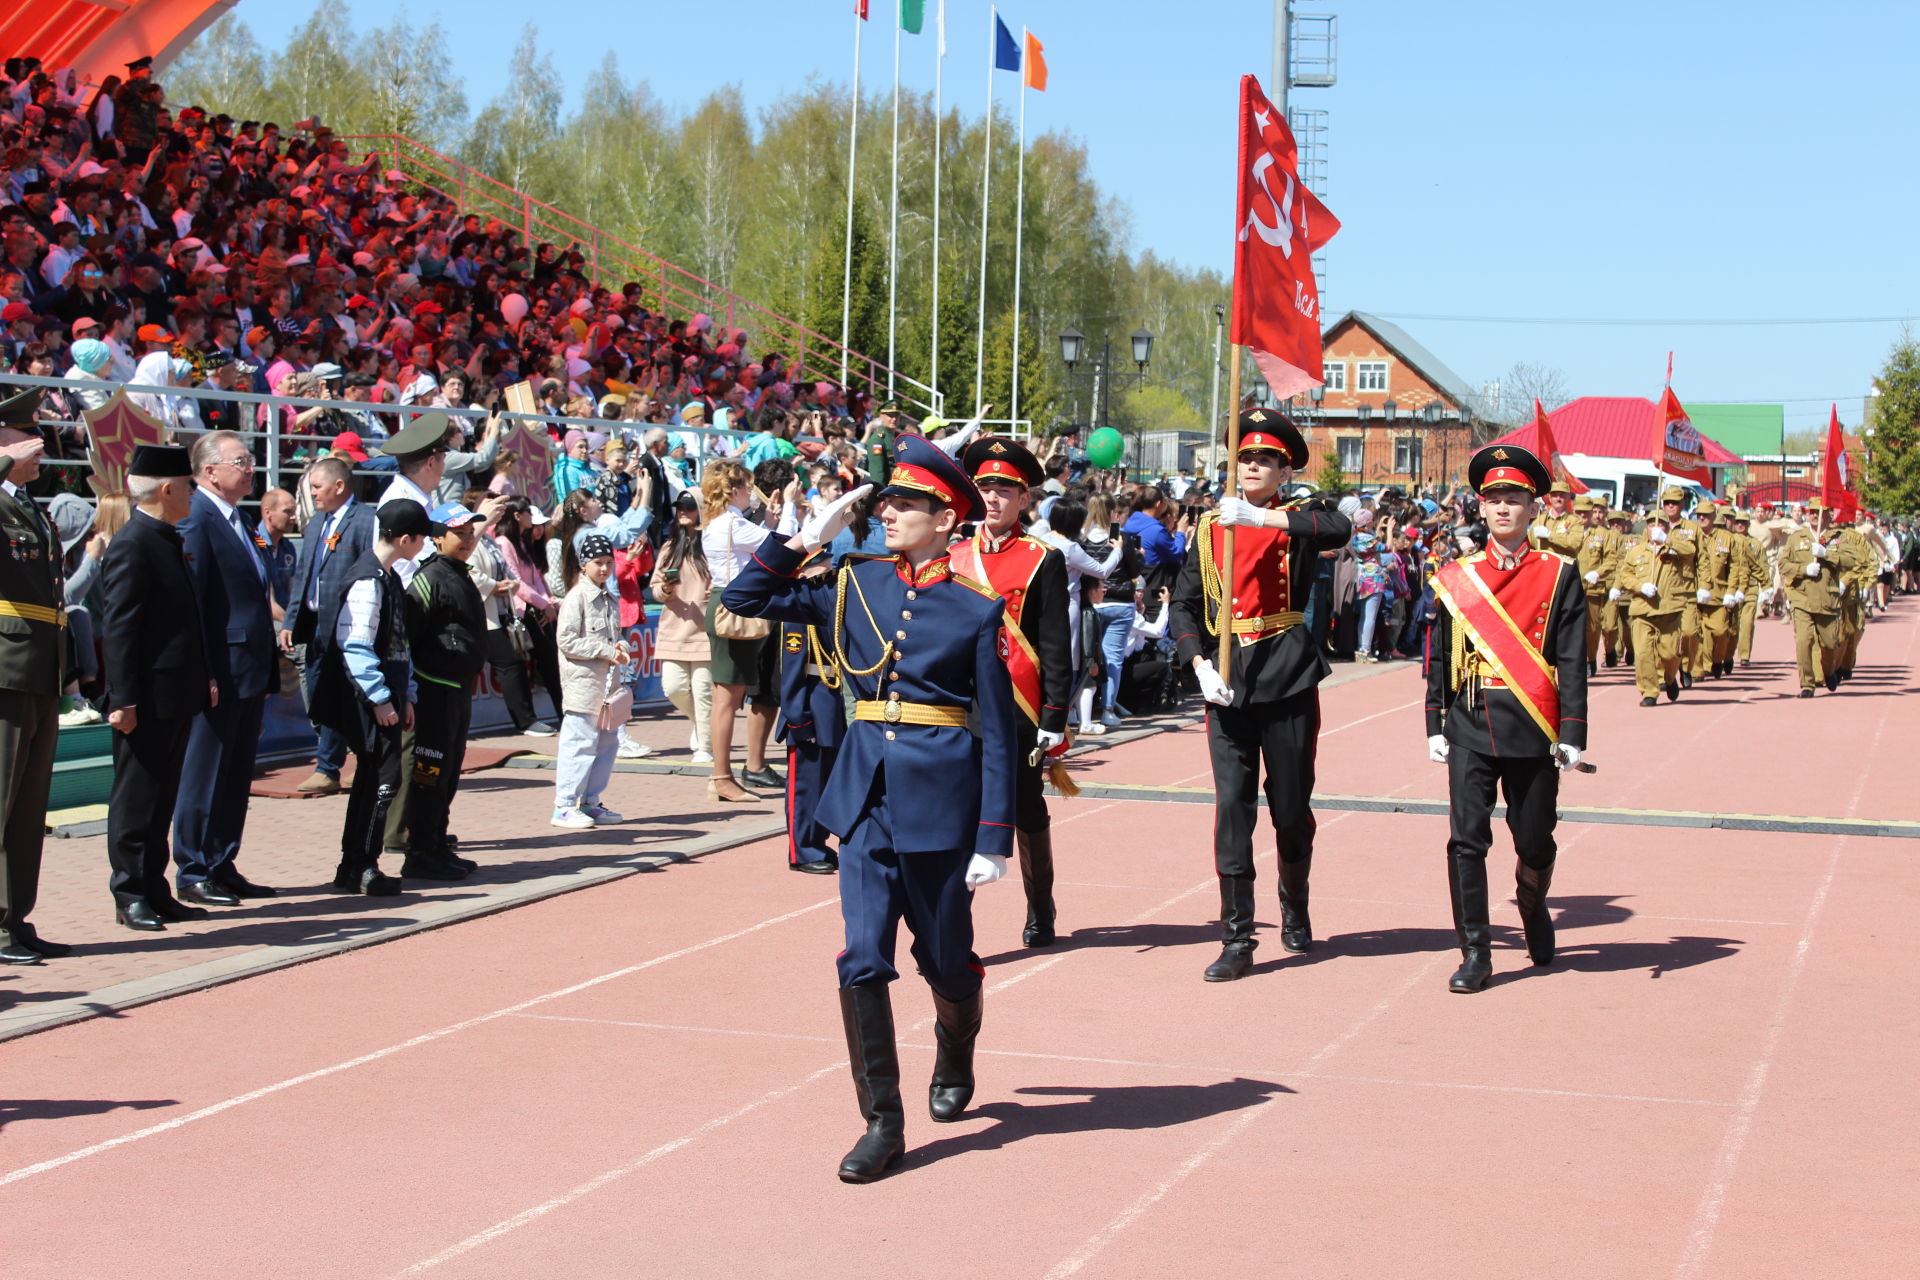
{"x":1836,"y":474}
{"x":1548,"y":452}
{"x":860,"y":9}
{"x":1677,"y":449}
{"x":1278,"y":225}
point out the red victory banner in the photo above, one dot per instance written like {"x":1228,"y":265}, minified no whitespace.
{"x":1677,"y":449}
{"x":1548,"y":451}
{"x":1278,"y":226}
{"x":1836,"y":473}
{"x":112,"y":432}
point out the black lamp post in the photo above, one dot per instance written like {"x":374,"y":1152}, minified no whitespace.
{"x":1431,"y":413}
{"x":1073,"y":350}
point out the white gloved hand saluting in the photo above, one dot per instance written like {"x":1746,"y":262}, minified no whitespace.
{"x":1564,"y":756}
{"x":1047,"y":740}
{"x":825,"y":524}
{"x":1212,"y":687}
{"x":1238,"y":511}
{"x":1593,"y":577}
{"x":1437,"y":748}
{"x":1648,"y":590}
{"x":954,"y":441}
{"x":985,"y":868}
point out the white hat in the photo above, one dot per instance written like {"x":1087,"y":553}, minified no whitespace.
{"x":539,"y":516}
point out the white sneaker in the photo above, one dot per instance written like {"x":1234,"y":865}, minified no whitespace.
{"x":600,"y":813}
{"x":702,"y":756}
{"x":1093,"y":731}
{"x":570,"y":818}
{"x":80,"y":715}
{"x":541,"y":729}
{"x":631,"y":750}
{"x":1111,"y":720}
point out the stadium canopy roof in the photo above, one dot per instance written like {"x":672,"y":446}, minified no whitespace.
{"x":99,"y":37}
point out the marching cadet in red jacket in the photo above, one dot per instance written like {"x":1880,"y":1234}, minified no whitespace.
{"x":1031,"y":578}
{"x":1506,"y":703}
{"x":1270,"y":710}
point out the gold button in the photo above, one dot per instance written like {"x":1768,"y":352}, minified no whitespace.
{"x":889,"y":735}
{"x":906,"y":615}
{"x":913,"y":595}
{"x":893,"y":675}
{"x":1237,"y":613}
{"x":899,"y":635}
{"x":895,"y":695}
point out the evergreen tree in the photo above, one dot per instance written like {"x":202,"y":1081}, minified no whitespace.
{"x":1330,"y":478}
{"x":1893,"y":460}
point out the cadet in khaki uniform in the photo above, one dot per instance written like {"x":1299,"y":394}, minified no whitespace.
{"x":1558,"y":529}
{"x":1754,"y":582}
{"x":1654,"y":581}
{"x":1597,"y":560}
{"x":1713,"y":568}
{"x":1771,"y":529}
{"x":1811,"y":566}
{"x":1673,"y":501}
{"x":1856,"y":586}
{"x":1613,"y":622}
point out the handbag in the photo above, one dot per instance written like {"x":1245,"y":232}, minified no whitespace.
{"x":517,"y":635}
{"x":729,"y":625}
{"x":616,"y":708}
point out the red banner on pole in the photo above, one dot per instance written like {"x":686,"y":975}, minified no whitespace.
{"x":1549,"y":452}
{"x":1278,"y":225}
{"x":1677,"y":447}
{"x":1836,"y":473}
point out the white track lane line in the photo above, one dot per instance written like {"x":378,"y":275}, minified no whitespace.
{"x":254,"y":1095}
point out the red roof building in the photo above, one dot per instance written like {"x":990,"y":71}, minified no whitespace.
{"x":1608,"y":442}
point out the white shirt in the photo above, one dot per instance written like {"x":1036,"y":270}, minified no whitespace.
{"x":231,"y":515}
{"x":401,"y":487}
{"x":729,"y":541}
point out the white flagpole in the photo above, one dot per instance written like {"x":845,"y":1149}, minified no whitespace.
{"x":939,"y":65}
{"x":1019,"y":226}
{"x":853,"y":143}
{"x":986,"y":208}
{"x":893,"y":229}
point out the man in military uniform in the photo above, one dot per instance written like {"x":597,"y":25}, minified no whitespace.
{"x":1650,"y":583}
{"x":1558,"y":528}
{"x":1597,"y":560}
{"x":1681,"y":529}
{"x":32,"y":646}
{"x":879,"y":442}
{"x":1618,"y":635}
{"x":1713,"y":581}
{"x":1771,"y":530}
{"x":1506,"y":705}
{"x":1856,"y":586}
{"x":1754,"y":582}
{"x":1811,"y":568}
{"x":1266,"y":709}
{"x":813,"y":724}
{"x":924,"y":810}
{"x":1031,"y":578}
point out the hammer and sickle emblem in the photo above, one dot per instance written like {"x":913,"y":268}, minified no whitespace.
{"x":1280,"y":233}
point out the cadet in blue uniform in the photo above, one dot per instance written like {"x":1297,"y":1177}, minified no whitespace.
{"x":813,"y":720}
{"x":923,"y":807}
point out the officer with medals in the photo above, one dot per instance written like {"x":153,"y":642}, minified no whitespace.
{"x":813,"y":723}
{"x":923,"y":808}
{"x":1268,"y":712}
{"x":1559,"y":528}
{"x":1031,"y":578}
{"x":1506,"y":704}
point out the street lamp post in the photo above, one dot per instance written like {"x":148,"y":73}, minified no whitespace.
{"x":1073,"y":349}
{"x":1431,"y":413}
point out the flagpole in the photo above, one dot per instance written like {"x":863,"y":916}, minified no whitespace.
{"x":986,"y":209}
{"x":1019,"y":227}
{"x":893,"y":229}
{"x":853,"y":143}
{"x":1224,"y":618}
{"x":939,"y":65}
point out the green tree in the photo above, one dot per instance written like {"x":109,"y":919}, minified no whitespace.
{"x":225,"y":66}
{"x":1330,"y":478}
{"x":1893,"y":461}
{"x":316,"y":75}
{"x":1155,"y":408}
{"x":412,"y":88}
{"x":514,"y":137}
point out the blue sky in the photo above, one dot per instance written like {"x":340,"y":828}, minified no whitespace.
{"x":1635,"y":160}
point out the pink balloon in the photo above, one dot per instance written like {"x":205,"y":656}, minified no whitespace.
{"x":513,"y":308}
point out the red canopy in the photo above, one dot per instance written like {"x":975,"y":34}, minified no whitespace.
{"x":1608,"y":427}
{"x":98,"y":39}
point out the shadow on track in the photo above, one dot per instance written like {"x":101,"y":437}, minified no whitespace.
{"x":66,"y":1108}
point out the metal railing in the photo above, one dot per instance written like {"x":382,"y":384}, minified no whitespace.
{"x":665,"y":288}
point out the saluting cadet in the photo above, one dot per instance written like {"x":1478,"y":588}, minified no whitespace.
{"x":1267,"y":708}
{"x":813,"y":722}
{"x":1037,"y":642}
{"x":1506,"y":705}
{"x":1557,"y":528}
{"x":924,"y":809}
{"x":1754,"y":582}
{"x":1598,"y":559}
{"x":1811,"y":567}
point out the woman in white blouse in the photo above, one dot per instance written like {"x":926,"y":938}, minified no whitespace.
{"x":728,"y":539}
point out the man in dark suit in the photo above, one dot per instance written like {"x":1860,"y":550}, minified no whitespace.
{"x":338,"y":533}
{"x":31,"y":647}
{"x":228,"y":563}
{"x":157,"y":682}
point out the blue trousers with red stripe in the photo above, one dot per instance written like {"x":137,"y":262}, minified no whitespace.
{"x":808,"y":765}
{"x":880,"y":887}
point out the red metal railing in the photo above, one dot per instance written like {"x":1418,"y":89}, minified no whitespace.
{"x":664,"y":287}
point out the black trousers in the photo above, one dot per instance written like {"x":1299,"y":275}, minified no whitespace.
{"x":1531,"y":785}
{"x":510,"y":669}
{"x":546,"y":658}
{"x":441,"y":717}
{"x":146,"y":782}
{"x":29,"y":725}
{"x":1283,"y":735}
{"x":1029,"y":782}
{"x":376,"y":780}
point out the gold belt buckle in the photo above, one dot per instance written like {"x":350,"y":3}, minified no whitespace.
{"x":891,"y":714}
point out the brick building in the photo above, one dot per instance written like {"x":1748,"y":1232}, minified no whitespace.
{"x":1391,"y":412}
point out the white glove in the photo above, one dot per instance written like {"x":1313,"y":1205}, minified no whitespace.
{"x":1648,"y":590}
{"x":825,"y":524}
{"x":1813,"y":568}
{"x":1593,"y":577}
{"x":954,"y":441}
{"x":1238,"y":511}
{"x":1819,"y":550}
{"x":1703,"y":595}
{"x":1613,"y":593}
{"x":985,"y":868}
{"x":1656,"y":534}
{"x":1212,"y":687}
{"x":1437,"y":748}
{"x":1736,"y":597}
{"x":1047,"y":740}
{"x":1541,"y":532}
{"x":1564,"y":756}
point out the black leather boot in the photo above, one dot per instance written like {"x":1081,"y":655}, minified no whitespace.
{"x":1296,"y":930}
{"x":1036,"y":874}
{"x":1530,"y":894}
{"x":1467,"y":879}
{"x":1236,"y":930}
{"x":956,"y":1026}
{"x":867,"y":1013}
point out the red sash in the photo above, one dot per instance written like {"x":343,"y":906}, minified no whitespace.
{"x":1497,"y":616}
{"x":1009,"y":572}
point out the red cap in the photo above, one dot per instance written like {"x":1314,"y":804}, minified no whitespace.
{"x":152,"y":333}
{"x":428,"y":307}
{"x":359,"y":300}
{"x":15,"y":311}
{"x":83,"y":324}
{"x":348,"y":442}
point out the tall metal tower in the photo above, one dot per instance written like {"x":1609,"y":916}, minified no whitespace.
{"x":1305,"y":54}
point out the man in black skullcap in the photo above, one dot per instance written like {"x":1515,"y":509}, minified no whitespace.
{"x":157,"y":682}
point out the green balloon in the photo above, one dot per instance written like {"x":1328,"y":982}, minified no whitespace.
{"x":1104,"y":447}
